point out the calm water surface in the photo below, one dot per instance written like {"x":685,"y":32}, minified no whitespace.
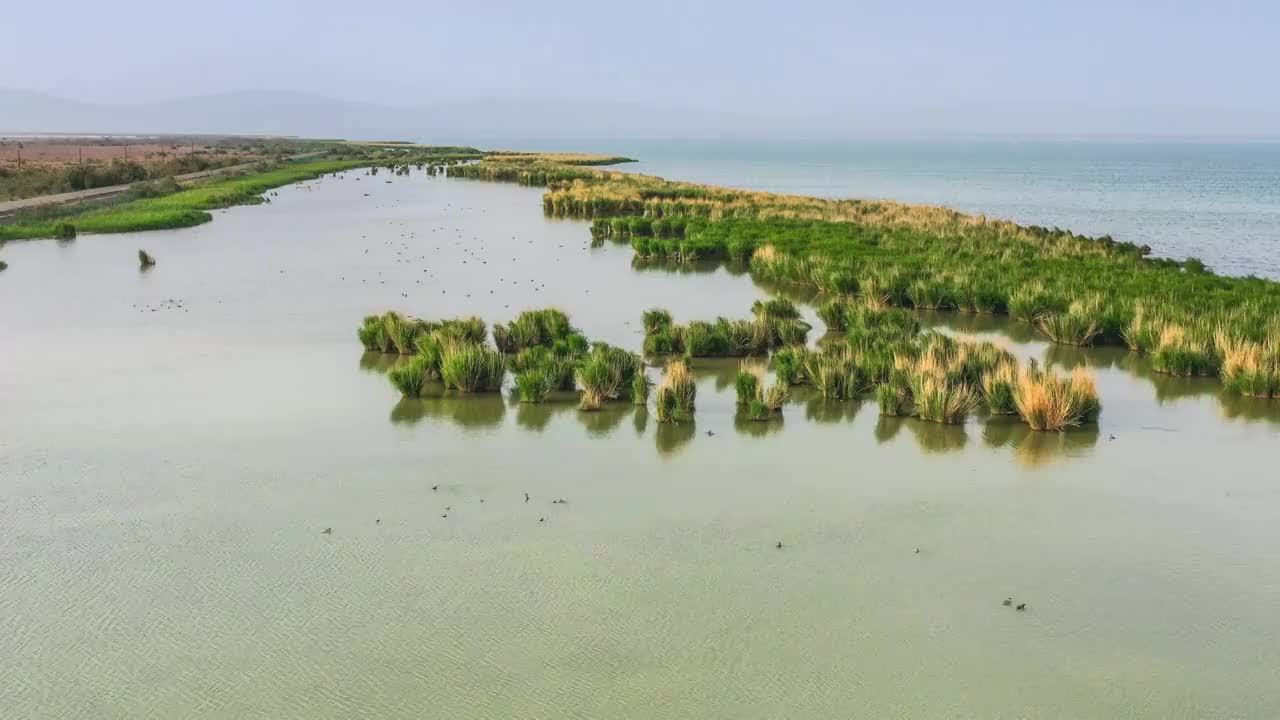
{"x":173,"y":442}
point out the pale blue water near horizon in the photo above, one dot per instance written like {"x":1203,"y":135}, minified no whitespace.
{"x":1218,"y":201}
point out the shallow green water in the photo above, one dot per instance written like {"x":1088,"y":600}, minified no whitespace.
{"x":165,"y":475}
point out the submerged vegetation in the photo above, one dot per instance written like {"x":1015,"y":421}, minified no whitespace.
{"x":1073,"y":289}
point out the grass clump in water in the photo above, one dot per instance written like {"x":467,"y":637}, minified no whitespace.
{"x":998,"y":388}
{"x":1142,"y":333}
{"x":560,"y":370}
{"x":1184,"y":354}
{"x":145,"y":260}
{"x":605,"y":374}
{"x":548,"y":327}
{"x":789,"y":365}
{"x":1047,"y":401}
{"x":940,"y":401}
{"x":676,"y":393}
{"x":834,"y":374}
{"x":893,"y":397}
{"x":472,"y":368}
{"x":725,"y":337}
{"x":1250,"y":368}
{"x":372,"y":334}
{"x":1078,"y":325}
{"x":760,"y":402}
{"x":532,"y":385}
{"x":655,"y":320}
{"x":749,"y":382}
{"x":775,"y":308}
{"x":640,"y":388}
{"x":392,"y":332}
{"x":411,"y":376}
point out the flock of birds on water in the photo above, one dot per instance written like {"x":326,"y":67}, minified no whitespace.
{"x":1008,"y":602}
{"x":472,"y":248}
{"x":404,"y":255}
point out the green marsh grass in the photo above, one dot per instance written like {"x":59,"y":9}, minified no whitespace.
{"x":640,"y":388}
{"x":1072,"y":288}
{"x":1250,"y":368}
{"x":181,"y":209}
{"x":776,"y":308}
{"x":532,"y":385}
{"x":892,"y":398}
{"x":655,"y":321}
{"x":749,"y":382}
{"x":676,"y":394}
{"x":1075,"y":289}
{"x":411,"y":377}
{"x":547,"y":327}
{"x":472,"y":368}
{"x":998,"y":389}
{"x":1185,"y":353}
{"x":940,"y":401}
{"x":724,"y":337}
{"x":1048,"y":401}
{"x":605,"y":374}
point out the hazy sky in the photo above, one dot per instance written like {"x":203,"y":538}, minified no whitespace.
{"x":797,"y":55}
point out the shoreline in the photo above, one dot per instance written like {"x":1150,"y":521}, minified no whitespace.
{"x":1073,"y":289}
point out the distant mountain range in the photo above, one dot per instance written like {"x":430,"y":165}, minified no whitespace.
{"x":475,"y":121}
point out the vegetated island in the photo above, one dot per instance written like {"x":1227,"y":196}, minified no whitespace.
{"x":1073,"y":289}
{"x":927,"y":375}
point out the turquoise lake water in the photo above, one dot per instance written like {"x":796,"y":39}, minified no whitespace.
{"x":1219,"y":202}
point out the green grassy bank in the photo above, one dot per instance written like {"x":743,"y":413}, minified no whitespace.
{"x":181,"y":209}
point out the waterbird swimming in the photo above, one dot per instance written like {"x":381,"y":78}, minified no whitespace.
{"x":1021,"y":606}
{"x":1007,"y":602}
{"x":327,"y":531}
{"x":779,"y":545}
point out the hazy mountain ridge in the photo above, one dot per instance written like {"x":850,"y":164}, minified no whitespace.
{"x":469,"y":121}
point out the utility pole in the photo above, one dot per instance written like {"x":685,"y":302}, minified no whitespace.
{"x":19,"y":157}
